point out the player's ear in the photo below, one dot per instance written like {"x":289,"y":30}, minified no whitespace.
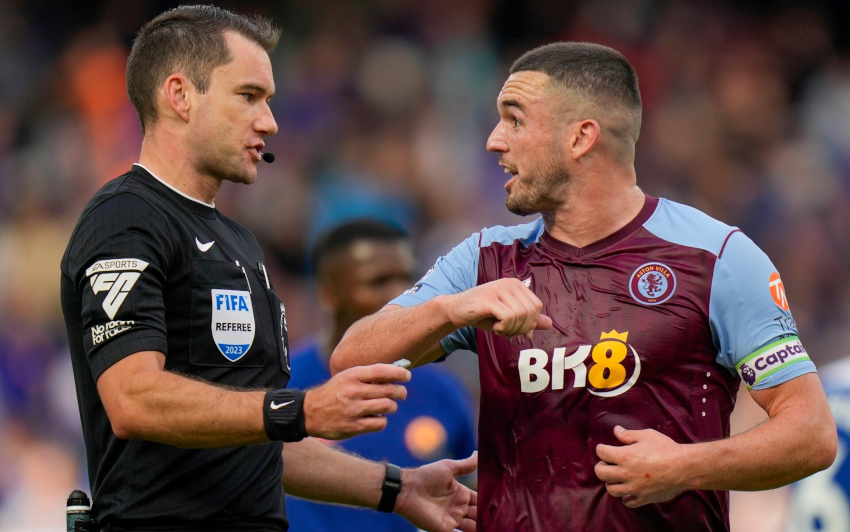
{"x":583,"y":137}
{"x":179,"y":94}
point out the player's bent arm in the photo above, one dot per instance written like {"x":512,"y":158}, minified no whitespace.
{"x":143,"y":401}
{"x":505,"y":306}
{"x":798,"y":440}
{"x":394,"y":332}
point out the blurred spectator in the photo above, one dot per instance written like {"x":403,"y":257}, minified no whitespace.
{"x":360,"y":266}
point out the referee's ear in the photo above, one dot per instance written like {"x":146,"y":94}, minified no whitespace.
{"x":178,"y":94}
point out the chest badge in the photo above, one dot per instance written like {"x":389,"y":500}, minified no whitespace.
{"x":233,"y":325}
{"x":652,"y":284}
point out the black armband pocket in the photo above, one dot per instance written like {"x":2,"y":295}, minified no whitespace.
{"x":225,"y":331}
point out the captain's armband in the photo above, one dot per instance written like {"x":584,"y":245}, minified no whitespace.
{"x":770,"y":359}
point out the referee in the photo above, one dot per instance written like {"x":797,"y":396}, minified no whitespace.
{"x":177,"y":336}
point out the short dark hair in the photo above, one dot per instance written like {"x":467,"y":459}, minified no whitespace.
{"x":597,"y":72}
{"x":341,"y":237}
{"x":189,"y":39}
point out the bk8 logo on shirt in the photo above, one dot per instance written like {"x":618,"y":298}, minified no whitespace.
{"x":232,"y":322}
{"x":608,"y":375}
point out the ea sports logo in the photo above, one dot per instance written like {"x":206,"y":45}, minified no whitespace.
{"x":777,"y":291}
{"x":652,"y":284}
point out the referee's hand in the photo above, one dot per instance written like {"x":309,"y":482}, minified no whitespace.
{"x":354,"y":401}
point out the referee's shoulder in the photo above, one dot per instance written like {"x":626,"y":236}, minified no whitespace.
{"x":122,"y":205}
{"x":123,"y":196}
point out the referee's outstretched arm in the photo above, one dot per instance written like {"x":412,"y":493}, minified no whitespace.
{"x":143,"y":401}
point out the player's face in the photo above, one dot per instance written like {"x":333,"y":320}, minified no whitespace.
{"x":528,"y":145}
{"x":233,"y":116}
{"x":369,"y":275}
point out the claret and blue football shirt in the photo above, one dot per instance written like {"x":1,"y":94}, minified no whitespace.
{"x":652,"y":327}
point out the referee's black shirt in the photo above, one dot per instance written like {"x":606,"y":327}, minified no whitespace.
{"x":150,"y":269}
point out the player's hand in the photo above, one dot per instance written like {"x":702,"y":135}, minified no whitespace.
{"x":434,"y":501}
{"x":354,"y":401}
{"x":506,"y":307}
{"x":644,"y":471}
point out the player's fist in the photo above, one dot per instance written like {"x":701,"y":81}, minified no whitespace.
{"x":506,"y":307}
{"x":354,"y":401}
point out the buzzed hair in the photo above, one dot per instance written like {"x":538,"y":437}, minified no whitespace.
{"x":597,"y":73}
{"x":190,"y":40}
{"x":340,"y":238}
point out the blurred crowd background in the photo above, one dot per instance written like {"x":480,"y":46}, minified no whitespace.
{"x":384,"y":107}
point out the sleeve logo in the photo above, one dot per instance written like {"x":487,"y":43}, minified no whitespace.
{"x":770,"y":359}
{"x":777,"y":291}
{"x":116,"y":277}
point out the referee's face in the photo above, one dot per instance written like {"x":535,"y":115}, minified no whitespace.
{"x":233,"y":116}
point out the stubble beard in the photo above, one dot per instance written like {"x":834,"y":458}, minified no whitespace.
{"x":539,"y":189}
{"x":217,"y":162}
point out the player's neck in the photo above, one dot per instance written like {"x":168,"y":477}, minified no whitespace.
{"x":590,"y":215}
{"x":170,"y":164}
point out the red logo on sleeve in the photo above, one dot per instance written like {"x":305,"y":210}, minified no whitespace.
{"x":777,"y":291}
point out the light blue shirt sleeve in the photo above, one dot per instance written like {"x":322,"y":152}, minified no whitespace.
{"x":750,"y":322}
{"x":453,"y":273}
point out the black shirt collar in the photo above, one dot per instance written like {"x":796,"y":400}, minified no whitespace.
{"x":197,"y":206}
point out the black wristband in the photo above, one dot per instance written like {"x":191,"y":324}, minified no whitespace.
{"x":283,"y":415}
{"x":390,"y":489}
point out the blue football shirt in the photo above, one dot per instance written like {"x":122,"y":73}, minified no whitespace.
{"x":434,"y":422}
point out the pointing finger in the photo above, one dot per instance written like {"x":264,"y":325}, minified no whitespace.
{"x":543,"y":322}
{"x":377,"y":391}
{"x":380,"y":373}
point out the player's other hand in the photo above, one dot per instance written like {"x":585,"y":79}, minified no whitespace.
{"x":643,"y":471}
{"x":433,"y":500}
{"x":506,"y":307}
{"x":354,"y":401}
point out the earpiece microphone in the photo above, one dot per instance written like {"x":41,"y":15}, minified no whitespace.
{"x":268,"y":157}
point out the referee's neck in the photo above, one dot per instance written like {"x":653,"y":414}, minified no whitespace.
{"x":171,"y":164}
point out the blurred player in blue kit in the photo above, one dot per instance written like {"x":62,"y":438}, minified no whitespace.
{"x":822,"y":501}
{"x":360,"y":266}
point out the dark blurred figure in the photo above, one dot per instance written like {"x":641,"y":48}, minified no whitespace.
{"x":359,"y":267}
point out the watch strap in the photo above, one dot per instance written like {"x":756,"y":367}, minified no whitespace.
{"x":390,"y":489}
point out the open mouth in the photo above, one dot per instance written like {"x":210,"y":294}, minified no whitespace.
{"x":513,"y":173}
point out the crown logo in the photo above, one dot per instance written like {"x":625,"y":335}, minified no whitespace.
{"x":614,"y":335}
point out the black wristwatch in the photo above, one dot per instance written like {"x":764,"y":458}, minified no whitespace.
{"x":390,"y":489}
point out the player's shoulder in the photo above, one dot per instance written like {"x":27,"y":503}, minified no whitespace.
{"x":525,"y":234}
{"x":686,"y":226}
